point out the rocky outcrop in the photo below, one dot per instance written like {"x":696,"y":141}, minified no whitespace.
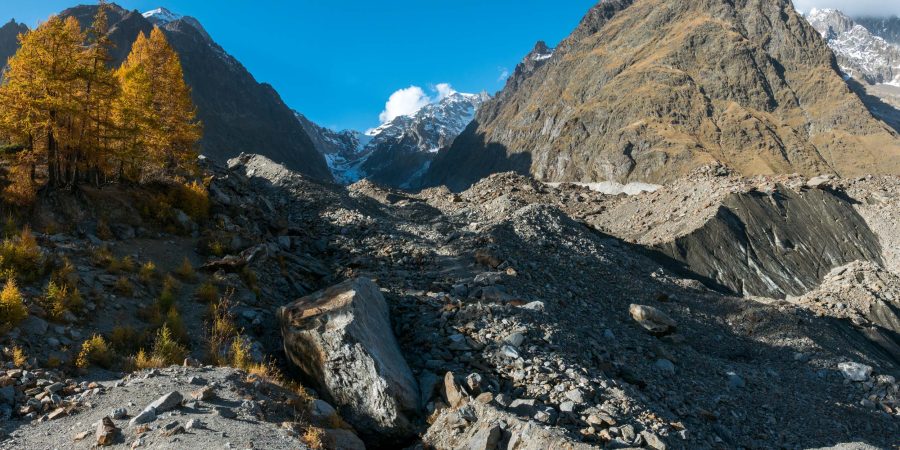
{"x":476,"y":426}
{"x":865,"y":294}
{"x":647,"y":90}
{"x":777,"y":243}
{"x":761,"y":237}
{"x":341,"y":339}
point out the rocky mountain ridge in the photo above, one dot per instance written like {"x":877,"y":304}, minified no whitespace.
{"x":647,"y":90}
{"x":887,"y":28}
{"x":860,"y":53}
{"x":396,"y":153}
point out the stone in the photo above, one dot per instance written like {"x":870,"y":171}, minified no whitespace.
{"x":167,"y":402}
{"x":523,"y":407}
{"x":341,"y":339}
{"x":735,"y":381}
{"x":119,"y":413}
{"x":204,"y":393}
{"x":820,"y":181}
{"x":652,"y":441}
{"x":652,"y":319}
{"x":344,"y":439}
{"x":600,"y":420}
{"x":145,"y":416}
{"x":455,"y":395}
{"x":665,"y":366}
{"x":536,"y":305}
{"x":34,"y":325}
{"x":575,"y":395}
{"x":193,"y":424}
{"x":107,"y":432}
{"x":509,"y":351}
{"x":8,"y":395}
{"x":473,"y":383}
{"x":627,"y":432}
{"x":226,"y":413}
{"x":172,"y":429}
{"x":854,"y":371}
{"x":486,"y":439}
{"x":515,"y":339}
{"x":321,"y":410}
{"x":57,"y":414}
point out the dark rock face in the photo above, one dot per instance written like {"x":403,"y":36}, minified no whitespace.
{"x":647,"y":90}
{"x":9,"y":40}
{"x":238,"y":113}
{"x":776,"y":244}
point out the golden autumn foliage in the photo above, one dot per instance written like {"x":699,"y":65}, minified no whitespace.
{"x":64,"y":109}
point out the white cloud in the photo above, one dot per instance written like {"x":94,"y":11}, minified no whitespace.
{"x":852,"y":7}
{"x":403,"y":103}
{"x":444,"y":90}
{"x":504,"y":74}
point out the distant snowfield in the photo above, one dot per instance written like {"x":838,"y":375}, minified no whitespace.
{"x":614,"y":188}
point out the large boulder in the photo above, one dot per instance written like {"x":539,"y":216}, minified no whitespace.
{"x":341,"y":339}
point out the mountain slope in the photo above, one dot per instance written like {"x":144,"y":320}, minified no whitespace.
{"x":646,"y":90}
{"x":238,"y":113}
{"x":398,"y":152}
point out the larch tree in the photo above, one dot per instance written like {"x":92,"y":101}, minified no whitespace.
{"x":40,"y":92}
{"x":99,"y":92}
{"x":154,"y":110}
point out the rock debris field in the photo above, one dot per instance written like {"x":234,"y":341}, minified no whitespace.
{"x":516,"y":315}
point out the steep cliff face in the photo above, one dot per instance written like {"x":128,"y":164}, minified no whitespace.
{"x":238,"y":113}
{"x":9,"y":42}
{"x":646,"y":90}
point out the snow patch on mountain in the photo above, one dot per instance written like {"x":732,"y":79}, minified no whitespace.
{"x":860,"y":53}
{"x":416,"y":136}
{"x":161,"y":16}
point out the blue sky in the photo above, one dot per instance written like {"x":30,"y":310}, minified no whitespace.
{"x":338,"y":62}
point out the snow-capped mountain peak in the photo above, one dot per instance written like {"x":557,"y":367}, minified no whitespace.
{"x":161,"y":16}
{"x":397,"y":151}
{"x":860,"y":53}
